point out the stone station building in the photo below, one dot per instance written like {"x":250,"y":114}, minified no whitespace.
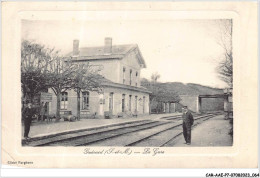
{"x":122,"y":93}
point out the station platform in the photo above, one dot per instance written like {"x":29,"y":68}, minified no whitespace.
{"x":210,"y":133}
{"x":40,"y":129}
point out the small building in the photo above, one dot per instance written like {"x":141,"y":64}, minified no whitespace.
{"x":203,"y":103}
{"x":122,"y":92}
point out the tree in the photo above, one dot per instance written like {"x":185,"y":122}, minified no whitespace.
{"x":167,"y":96}
{"x":159,"y":93}
{"x":162,"y":95}
{"x":155,"y":76}
{"x":225,"y":67}
{"x":86,"y":78}
{"x":43,"y":68}
{"x":60,"y":75}
{"x":34,"y":63}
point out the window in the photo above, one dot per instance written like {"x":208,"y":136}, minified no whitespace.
{"x":131,"y":77}
{"x":123,"y":75}
{"x":64,"y":100}
{"x":136,"y":74}
{"x":130,"y":102}
{"x":123,"y":103}
{"x":85,"y":100}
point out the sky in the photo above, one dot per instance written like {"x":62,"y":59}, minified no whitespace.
{"x":179,"y":50}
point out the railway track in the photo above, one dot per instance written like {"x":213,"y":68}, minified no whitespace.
{"x":167,"y":136}
{"x":176,"y":117}
{"x":138,"y":133}
{"x":67,"y":137}
{"x":155,"y":137}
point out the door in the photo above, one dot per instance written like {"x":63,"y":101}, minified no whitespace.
{"x":111,"y":103}
{"x":123,"y":103}
{"x":135,"y":103}
{"x":130,"y":102}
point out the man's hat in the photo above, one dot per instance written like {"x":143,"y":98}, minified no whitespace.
{"x":185,"y":107}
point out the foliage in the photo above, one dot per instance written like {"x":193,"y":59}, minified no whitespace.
{"x":43,"y":68}
{"x":191,"y":89}
{"x":60,"y":75}
{"x":86,"y":79}
{"x":155,"y":76}
{"x":166,"y":96}
{"x":34,"y":63}
{"x":224,"y":39}
{"x":160,"y":94}
{"x":170,"y":91}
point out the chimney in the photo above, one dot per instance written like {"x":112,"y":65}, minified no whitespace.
{"x":108,"y":46}
{"x":75,"y":48}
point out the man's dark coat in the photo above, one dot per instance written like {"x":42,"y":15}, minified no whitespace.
{"x":188,"y":119}
{"x":187,"y":123}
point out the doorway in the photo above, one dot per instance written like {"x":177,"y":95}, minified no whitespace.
{"x":111,"y":96}
{"x":123,"y":103}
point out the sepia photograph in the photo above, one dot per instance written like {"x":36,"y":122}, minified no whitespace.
{"x":129,"y":85}
{"x":110,"y":84}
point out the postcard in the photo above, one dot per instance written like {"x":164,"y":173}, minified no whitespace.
{"x":129,"y":84}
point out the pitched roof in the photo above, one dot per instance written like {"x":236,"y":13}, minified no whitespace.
{"x":97,"y":53}
{"x":108,"y":83}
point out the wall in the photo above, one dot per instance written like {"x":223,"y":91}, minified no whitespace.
{"x":173,"y":107}
{"x":113,"y":69}
{"x":207,"y":104}
{"x":178,"y":107}
{"x":110,"y":68}
{"x":190,"y":101}
{"x":130,"y":62}
{"x":117,"y":100}
{"x":99,"y":103}
{"x":212,"y":104}
{"x":72,"y":103}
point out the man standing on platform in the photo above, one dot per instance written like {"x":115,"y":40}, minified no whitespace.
{"x":187,"y":123}
{"x":28,"y":114}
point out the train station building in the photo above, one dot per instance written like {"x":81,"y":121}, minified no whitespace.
{"x":122,"y":93}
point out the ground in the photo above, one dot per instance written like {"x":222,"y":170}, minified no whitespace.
{"x":213,"y":132}
{"x":150,"y":131}
{"x":40,"y":129}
